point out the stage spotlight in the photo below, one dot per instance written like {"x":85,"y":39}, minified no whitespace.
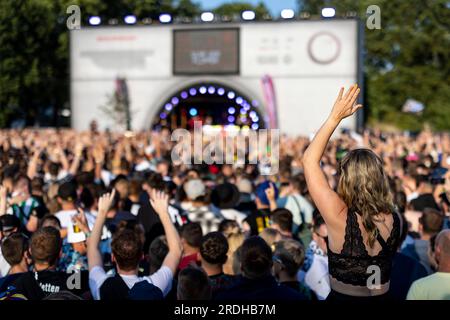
{"x":207,"y":16}
{"x":202,"y":90}
{"x":231,"y":119}
{"x":95,"y":20}
{"x":165,"y":18}
{"x":287,"y":13}
{"x":163,"y":115}
{"x":168,"y":106}
{"x":211,"y":90}
{"x":248,"y":15}
{"x":184,"y":95}
{"x":193,"y":112}
{"x":192,"y":91}
{"x":328,"y":12}
{"x":231,"y":110}
{"x":220,"y":91}
{"x":231,"y":95}
{"x":255,"y":126}
{"x":130,"y":19}
{"x":175,"y":101}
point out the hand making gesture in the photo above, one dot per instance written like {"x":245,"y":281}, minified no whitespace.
{"x":345,"y":106}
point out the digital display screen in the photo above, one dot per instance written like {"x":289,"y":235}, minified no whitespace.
{"x":214,"y":51}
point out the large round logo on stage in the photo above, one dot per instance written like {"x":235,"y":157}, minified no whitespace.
{"x":324,"y":48}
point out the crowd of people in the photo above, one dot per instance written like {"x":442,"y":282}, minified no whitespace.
{"x":107,"y":216}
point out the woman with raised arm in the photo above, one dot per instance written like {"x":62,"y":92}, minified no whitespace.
{"x":363,"y":228}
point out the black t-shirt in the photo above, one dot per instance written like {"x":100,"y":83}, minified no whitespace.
{"x":38,"y":285}
{"x":424,"y":201}
{"x":6,"y":281}
{"x":150,"y":221}
{"x":258,"y":220}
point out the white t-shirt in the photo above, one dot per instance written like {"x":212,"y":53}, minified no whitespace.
{"x":161,"y":279}
{"x":65,"y":217}
{"x":4,"y":266}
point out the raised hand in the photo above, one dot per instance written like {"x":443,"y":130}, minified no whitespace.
{"x":270,"y":193}
{"x":344,"y":106}
{"x":160,"y":202}
{"x":105,"y":202}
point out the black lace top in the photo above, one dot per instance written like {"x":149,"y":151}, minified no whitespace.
{"x":351,"y":266}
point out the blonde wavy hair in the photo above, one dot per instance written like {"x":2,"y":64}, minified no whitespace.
{"x":364,"y":187}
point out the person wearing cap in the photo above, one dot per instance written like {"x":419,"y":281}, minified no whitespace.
{"x":259,"y":219}
{"x":199,"y":210}
{"x":225,"y":198}
{"x":67,"y":196}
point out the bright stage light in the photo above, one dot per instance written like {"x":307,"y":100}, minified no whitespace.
{"x":248,"y":15}
{"x":130,"y":19}
{"x":95,"y":20}
{"x":328,"y":12}
{"x":207,"y":16}
{"x":165,"y":18}
{"x":287,"y":13}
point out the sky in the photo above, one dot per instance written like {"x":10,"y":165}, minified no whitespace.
{"x":274,"y":6}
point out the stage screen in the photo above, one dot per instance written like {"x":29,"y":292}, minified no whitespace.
{"x":199,"y":51}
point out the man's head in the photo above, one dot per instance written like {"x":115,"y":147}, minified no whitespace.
{"x":213,"y":249}
{"x":430,"y":223}
{"x":193,"y":284}
{"x":67,"y":193}
{"x":126,"y":249}
{"x":442,"y":250}
{"x":45,"y":247}
{"x":195,"y":189}
{"x":15,"y":249}
{"x":22,"y":186}
{"x":163,"y":168}
{"x":282,"y":220}
{"x":256,"y":258}
{"x":50,"y":221}
{"x":157,"y":252}
{"x":121,"y":184}
{"x":320,"y":233}
{"x":288,"y":258}
{"x":191,"y":235}
{"x":8,"y":224}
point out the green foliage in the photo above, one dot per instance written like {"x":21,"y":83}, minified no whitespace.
{"x":407,"y":58}
{"x":235,"y":8}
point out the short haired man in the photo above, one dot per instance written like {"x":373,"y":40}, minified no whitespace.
{"x":315,"y":269}
{"x":15,"y":252}
{"x":437,"y":285}
{"x":127,"y":253}
{"x":193,"y":284}
{"x":282,"y":221}
{"x":288,"y":258}
{"x":213,"y":255}
{"x":191,"y":239}
{"x":430,"y":223}
{"x":257,"y":282}
{"x":45,"y":250}
{"x":9,"y":224}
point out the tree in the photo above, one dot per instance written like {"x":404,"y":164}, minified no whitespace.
{"x":34,"y":50}
{"x":235,"y":9}
{"x":407,"y":58}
